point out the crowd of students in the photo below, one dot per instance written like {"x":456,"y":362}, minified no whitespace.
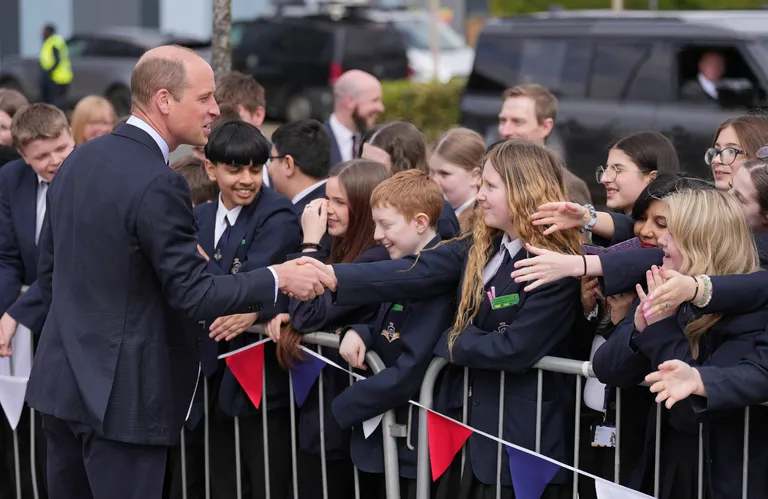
{"x":466,"y":252}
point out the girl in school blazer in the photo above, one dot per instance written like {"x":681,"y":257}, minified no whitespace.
{"x":347,"y":213}
{"x":642,"y":343}
{"x":501,"y":331}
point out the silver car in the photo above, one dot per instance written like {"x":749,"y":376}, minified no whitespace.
{"x":101,"y":62}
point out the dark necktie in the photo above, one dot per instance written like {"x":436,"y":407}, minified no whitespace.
{"x":354,"y":146}
{"x":222,"y":245}
{"x":504,"y":263}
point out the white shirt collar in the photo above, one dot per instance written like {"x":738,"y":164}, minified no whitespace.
{"x":708,"y":85}
{"x":298,"y":197}
{"x":143,"y":125}
{"x":458,"y":211}
{"x":513,"y":247}
{"x":41,"y":179}
{"x":221,"y":212}
{"x":494,"y":264}
{"x":344,"y":138}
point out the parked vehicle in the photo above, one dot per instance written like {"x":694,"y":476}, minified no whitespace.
{"x":101,"y":62}
{"x":616,"y":73}
{"x":298,"y":55}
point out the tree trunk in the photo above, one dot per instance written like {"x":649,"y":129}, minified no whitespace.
{"x":221,"y":57}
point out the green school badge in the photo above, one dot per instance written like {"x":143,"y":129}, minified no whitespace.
{"x":397,"y":307}
{"x":505,"y":301}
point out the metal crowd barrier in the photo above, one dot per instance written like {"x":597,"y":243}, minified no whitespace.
{"x":391,"y":431}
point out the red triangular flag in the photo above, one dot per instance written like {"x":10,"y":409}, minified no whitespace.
{"x":248,"y":368}
{"x":445,"y":440}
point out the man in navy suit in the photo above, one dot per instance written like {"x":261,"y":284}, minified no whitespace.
{"x":356,"y":106}
{"x":41,"y":134}
{"x":124,"y":285}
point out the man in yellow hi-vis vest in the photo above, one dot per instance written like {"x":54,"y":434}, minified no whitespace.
{"x":56,"y":69}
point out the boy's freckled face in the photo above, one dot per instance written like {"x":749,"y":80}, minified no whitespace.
{"x":399,"y":236}
{"x":239,"y":185}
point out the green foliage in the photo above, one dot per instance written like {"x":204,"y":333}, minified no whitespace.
{"x":507,"y":7}
{"x":432,"y":107}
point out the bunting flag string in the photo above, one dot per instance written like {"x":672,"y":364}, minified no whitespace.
{"x":247,"y":365}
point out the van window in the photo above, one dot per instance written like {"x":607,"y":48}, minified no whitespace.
{"x":615,"y":67}
{"x":561,"y":65}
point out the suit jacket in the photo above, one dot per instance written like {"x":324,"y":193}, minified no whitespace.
{"x":125,"y":286}
{"x":406,"y":353}
{"x":18,"y":251}
{"x":265,"y":232}
{"x":335,"y":153}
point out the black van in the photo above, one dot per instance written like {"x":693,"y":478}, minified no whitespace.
{"x":616,"y":73}
{"x":298,"y":57}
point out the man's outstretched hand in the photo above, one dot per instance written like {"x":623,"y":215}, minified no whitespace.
{"x":297,"y":279}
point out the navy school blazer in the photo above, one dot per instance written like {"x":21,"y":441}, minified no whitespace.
{"x":406,"y":354}
{"x":125,"y":287}
{"x":628,"y":356}
{"x":18,"y":251}
{"x":321,"y":314}
{"x":623,"y":229}
{"x":513,"y":339}
{"x":265,"y":233}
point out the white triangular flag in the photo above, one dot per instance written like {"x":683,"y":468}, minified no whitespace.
{"x":371,"y":425}
{"x":12,"y":391}
{"x":610,"y":490}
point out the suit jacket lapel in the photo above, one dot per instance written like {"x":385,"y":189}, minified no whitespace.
{"x":28,"y":193}
{"x":237,"y":234}
{"x":505,"y":285}
{"x":335,"y":152}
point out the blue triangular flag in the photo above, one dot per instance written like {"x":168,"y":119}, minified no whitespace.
{"x":530,"y":474}
{"x":304,"y":373}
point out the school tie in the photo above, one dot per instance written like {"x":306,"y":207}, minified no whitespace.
{"x":504,"y":262}
{"x":41,"y":206}
{"x":222,"y":244}
{"x":354,"y":146}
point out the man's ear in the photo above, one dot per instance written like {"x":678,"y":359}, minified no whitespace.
{"x":290,"y":166}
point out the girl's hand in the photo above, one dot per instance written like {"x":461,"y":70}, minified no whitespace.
{"x":589,"y":289}
{"x":352,"y":349}
{"x":640,"y":322}
{"x":674,"y":381}
{"x":273,"y":327}
{"x":674,"y":290}
{"x":561,"y":215}
{"x":314,"y":221}
{"x":620,"y":305}
{"x":548,"y":266}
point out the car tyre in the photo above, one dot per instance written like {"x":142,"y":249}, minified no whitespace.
{"x":298,"y":107}
{"x":120,"y":97}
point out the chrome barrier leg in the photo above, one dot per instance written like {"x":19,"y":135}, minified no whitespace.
{"x":323,"y":464}
{"x":577,"y":438}
{"x":465,"y":418}
{"x":617,"y":449}
{"x":238,"y":460}
{"x":183,"y":466}
{"x":499,"y":447}
{"x":539,"y":402}
{"x":657,"y":452}
{"x":207,"y":439}
{"x":265,"y":431}
{"x":423,"y":470}
{"x":17,"y":463}
{"x":33,"y":453}
{"x":745,"y":464}
{"x":355,"y":474}
{"x":294,"y":443}
{"x":700,"y":478}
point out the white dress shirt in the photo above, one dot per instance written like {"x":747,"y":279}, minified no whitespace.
{"x":708,"y":86}
{"x":298,"y":197}
{"x":221,"y":225}
{"x":494,"y":264}
{"x":42,"y":188}
{"x":458,"y":211}
{"x":139,"y":123}
{"x":344,"y":138}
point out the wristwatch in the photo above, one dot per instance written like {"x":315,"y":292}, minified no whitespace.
{"x":592,"y":219}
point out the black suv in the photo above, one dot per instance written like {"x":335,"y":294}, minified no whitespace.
{"x":298,"y":57}
{"x":616,"y":73}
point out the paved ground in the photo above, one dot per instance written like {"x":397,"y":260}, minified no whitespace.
{"x":182,"y":151}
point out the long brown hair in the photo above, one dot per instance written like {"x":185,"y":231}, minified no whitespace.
{"x":358,"y":178}
{"x":532,"y":175}
{"x":402,"y":141}
{"x":693,"y":216}
{"x":751,"y":129}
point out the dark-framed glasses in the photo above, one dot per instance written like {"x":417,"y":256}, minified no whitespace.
{"x":727,"y":155}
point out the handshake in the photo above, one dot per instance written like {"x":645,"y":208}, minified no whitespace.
{"x":305,"y":278}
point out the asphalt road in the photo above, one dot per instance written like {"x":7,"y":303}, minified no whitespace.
{"x":182,"y":151}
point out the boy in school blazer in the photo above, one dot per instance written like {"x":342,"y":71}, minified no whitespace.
{"x":23,"y":184}
{"x":406,"y":209}
{"x":247,"y":227}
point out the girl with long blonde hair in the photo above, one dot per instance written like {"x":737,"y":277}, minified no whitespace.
{"x":643,"y":342}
